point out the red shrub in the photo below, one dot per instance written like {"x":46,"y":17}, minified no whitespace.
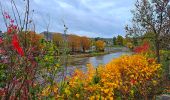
{"x":16,"y":45}
{"x":1,"y":40}
{"x":142,"y":49}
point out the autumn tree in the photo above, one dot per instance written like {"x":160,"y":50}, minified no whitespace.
{"x":74,"y":42}
{"x":85,"y":43}
{"x":151,"y":16}
{"x":100,"y":45}
{"x":57,"y":39}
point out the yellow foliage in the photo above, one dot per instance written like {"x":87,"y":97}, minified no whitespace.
{"x":120,"y":75}
{"x":129,"y":45}
{"x":46,"y":91}
{"x":49,"y":90}
{"x":100,"y":45}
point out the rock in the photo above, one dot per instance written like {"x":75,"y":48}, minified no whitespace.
{"x":163,"y":97}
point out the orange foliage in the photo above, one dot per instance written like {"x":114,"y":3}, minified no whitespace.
{"x":74,"y":42}
{"x":85,"y":43}
{"x":57,"y":39}
{"x":32,"y":40}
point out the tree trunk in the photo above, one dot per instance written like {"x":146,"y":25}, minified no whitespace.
{"x":72,"y":49}
{"x":83,"y":50}
{"x":157,"y":45}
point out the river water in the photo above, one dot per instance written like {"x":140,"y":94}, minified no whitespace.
{"x":95,"y":61}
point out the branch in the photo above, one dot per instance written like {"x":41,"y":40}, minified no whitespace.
{"x":3,"y":15}
{"x":19,"y":17}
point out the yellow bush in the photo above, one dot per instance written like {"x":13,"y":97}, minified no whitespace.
{"x":121,"y":78}
{"x":136,"y":71}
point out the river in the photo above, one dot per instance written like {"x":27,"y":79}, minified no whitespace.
{"x":95,"y":61}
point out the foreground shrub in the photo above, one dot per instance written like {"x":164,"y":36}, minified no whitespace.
{"x":127,"y":77}
{"x":27,"y":64}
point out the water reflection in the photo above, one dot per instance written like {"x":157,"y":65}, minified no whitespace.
{"x":95,"y":61}
{"x":104,"y":59}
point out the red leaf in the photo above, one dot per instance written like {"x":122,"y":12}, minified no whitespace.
{"x":2,"y":92}
{"x":141,"y":49}
{"x":12,"y":21}
{"x":133,"y":81}
{"x":16,"y":45}
{"x":1,"y":40}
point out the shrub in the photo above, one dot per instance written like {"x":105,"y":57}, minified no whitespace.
{"x":165,"y":61}
{"x":142,"y":48}
{"x":127,"y":77}
{"x":26,"y":64}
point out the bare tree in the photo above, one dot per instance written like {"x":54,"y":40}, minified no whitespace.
{"x":47,"y":26}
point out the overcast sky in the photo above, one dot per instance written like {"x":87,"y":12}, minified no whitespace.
{"x":93,"y":18}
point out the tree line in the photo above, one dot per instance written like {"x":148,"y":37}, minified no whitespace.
{"x":77,"y":43}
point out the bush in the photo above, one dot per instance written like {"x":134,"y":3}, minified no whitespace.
{"x":127,"y":77}
{"x":165,"y":61}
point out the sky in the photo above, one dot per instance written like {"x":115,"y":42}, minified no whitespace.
{"x":92,"y":18}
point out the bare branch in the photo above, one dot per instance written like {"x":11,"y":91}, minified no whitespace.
{"x":5,"y":21}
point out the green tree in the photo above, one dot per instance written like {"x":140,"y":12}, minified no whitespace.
{"x":97,"y":38}
{"x":119,"y":40}
{"x":114,"y":40}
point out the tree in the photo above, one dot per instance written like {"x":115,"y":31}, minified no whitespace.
{"x":97,"y":38}
{"x":85,"y":43}
{"x":165,"y":42}
{"x":57,"y":39}
{"x":125,"y":41}
{"x":151,"y":16}
{"x":119,"y":40}
{"x":114,"y":40}
{"x":74,"y":42}
{"x":100,"y":45}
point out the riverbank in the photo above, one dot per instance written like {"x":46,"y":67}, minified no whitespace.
{"x":108,"y":50}
{"x":83,"y":56}
{"x":79,"y":57}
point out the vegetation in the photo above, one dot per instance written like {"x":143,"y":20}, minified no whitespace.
{"x":57,"y":39}
{"x":116,"y":80}
{"x":85,"y":43}
{"x":100,"y":45}
{"x":151,"y":17}
{"x":33,"y":67}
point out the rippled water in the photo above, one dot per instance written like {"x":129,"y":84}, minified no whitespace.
{"x":104,"y":59}
{"x":95,"y":61}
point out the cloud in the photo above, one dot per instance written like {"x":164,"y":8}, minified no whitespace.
{"x":104,"y":18}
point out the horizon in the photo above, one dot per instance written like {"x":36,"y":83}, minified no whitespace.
{"x":79,"y":35}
